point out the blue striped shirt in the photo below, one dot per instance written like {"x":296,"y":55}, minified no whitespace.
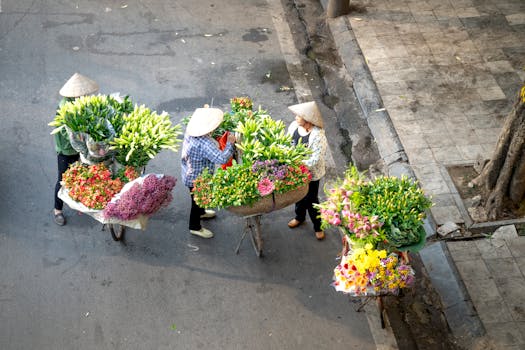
{"x":199,"y":153}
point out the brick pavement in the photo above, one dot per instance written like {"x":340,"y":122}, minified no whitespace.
{"x":447,"y":72}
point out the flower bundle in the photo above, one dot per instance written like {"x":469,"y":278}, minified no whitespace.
{"x":378,"y":218}
{"x":93,"y":185}
{"x":144,"y":134}
{"x":143,"y":196}
{"x":269,"y":162}
{"x":367,"y":271}
{"x":386,"y":210}
{"x":103,"y":126}
{"x":245,"y":184}
{"x":99,"y":116}
{"x":241,"y":103}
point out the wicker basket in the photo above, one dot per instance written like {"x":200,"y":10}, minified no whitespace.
{"x":272,"y":202}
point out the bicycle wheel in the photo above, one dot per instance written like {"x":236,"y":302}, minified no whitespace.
{"x":117,"y":231}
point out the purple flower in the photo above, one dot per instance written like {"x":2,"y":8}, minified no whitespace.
{"x":142,"y":198}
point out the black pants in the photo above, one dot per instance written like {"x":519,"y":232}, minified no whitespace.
{"x":63,"y":164}
{"x":195,"y":214}
{"x":306,"y":205}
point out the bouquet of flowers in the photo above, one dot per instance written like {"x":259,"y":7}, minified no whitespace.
{"x":378,"y":218}
{"x":94,"y":185}
{"x":386,"y":210}
{"x":245,"y":184}
{"x":269,"y":162}
{"x":367,"y":271}
{"x":144,"y":196}
{"x":102,"y":126}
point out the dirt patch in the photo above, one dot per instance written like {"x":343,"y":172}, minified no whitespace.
{"x":472,"y":196}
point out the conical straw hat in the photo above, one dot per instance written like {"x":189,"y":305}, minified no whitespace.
{"x":78,"y":85}
{"x":309,"y":112}
{"x":204,"y":120}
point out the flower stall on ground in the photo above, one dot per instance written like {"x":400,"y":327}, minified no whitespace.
{"x":380,"y":221}
{"x":268,"y":173}
{"x":115,"y":140}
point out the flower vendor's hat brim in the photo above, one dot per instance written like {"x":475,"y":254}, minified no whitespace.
{"x":78,"y":85}
{"x":309,"y":112}
{"x":203,"y":121}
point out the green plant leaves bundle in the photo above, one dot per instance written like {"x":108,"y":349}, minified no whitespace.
{"x":234,"y":186}
{"x":144,"y":133}
{"x":99,"y":116}
{"x":398,"y":204}
{"x":263,"y":138}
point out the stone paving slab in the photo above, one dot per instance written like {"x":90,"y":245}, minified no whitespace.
{"x":447,"y":72}
{"x":442,"y":68}
{"x":493,"y":273}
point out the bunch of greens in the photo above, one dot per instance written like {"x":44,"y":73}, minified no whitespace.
{"x":234,"y":186}
{"x":99,"y":116}
{"x":386,"y":211}
{"x":263,"y":138}
{"x":245,"y":184}
{"x":144,"y":133}
{"x":400,"y":204}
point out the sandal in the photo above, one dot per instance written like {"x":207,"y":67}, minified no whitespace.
{"x":294,"y":223}
{"x":319,"y":235}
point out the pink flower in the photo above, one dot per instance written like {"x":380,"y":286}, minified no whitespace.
{"x":265,"y":186}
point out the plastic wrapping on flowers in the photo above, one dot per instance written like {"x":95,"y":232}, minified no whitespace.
{"x":142,"y":196}
{"x":103,"y":127}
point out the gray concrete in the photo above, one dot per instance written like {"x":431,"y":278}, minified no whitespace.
{"x":73,"y":287}
{"x":447,"y":73}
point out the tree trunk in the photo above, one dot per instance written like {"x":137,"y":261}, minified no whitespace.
{"x":337,"y":8}
{"x":503,"y":178}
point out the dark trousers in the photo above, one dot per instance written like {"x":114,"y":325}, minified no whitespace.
{"x":195,"y":214}
{"x":63,"y":163}
{"x":306,"y":205}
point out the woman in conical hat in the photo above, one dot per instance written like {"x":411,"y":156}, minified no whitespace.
{"x":77,"y":86}
{"x":200,"y":151}
{"x":308,"y":129}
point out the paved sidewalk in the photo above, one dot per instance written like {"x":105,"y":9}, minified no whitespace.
{"x":440,"y":77}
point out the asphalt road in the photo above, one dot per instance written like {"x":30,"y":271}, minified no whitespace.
{"x":73,"y":287}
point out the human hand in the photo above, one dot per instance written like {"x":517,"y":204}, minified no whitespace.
{"x":231,"y":138}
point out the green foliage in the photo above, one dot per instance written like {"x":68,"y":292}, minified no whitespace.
{"x":400,"y":204}
{"x":389,"y":210}
{"x":233,"y":186}
{"x":100,"y":116}
{"x":144,"y":133}
{"x":263,"y":138}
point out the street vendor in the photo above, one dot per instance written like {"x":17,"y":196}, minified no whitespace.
{"x":77,"y":86}
{"x":307,"y":128}
{"x":200,"y":151}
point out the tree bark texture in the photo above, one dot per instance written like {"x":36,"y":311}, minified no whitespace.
{"x":503,"y":178}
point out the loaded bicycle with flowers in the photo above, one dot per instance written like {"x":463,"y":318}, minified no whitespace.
{"x":380,"y":220}
{"x":116,"y":140}
{"x":268,"y":173}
